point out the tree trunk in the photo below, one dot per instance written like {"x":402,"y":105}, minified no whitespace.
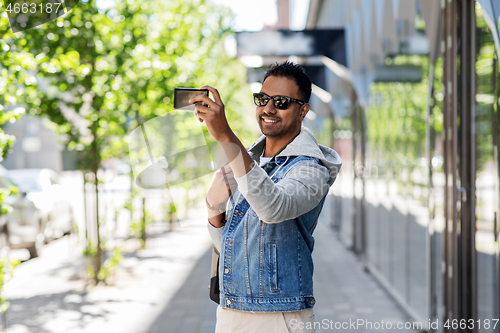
{"x":97,"y":260}
{"x":98,"y":256}
{"x":85,"y":224}
{"x":143,"y":226}
{"x":131,"y":194}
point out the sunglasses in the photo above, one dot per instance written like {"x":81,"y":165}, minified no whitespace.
{"x":279,"y":102}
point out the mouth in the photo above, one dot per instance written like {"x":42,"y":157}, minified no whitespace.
{"x":270,"y":121}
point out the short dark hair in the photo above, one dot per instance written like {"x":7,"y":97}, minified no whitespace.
{"x":295,"y":72}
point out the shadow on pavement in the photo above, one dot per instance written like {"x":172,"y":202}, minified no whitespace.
{"x":45,"y":307}
{"x":190,"y":310}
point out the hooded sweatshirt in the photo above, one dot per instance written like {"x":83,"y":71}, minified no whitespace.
{"x":312,"y":177}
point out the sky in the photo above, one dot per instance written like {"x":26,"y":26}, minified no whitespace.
{"x":251,"y":15}
{"x":254,"y":15}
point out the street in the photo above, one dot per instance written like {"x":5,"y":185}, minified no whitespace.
{"x":163,"y":288}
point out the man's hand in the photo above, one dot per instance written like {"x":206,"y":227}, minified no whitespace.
{"x":213,"y":115}
{"x":215,"y":118}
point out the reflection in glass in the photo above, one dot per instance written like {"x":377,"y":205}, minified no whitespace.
{"x":399,"y":210}
{"x":486,"y":164}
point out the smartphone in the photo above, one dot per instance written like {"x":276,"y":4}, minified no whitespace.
{"x":183,"y":95}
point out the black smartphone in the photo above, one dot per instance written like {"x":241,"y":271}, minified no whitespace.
{"x":183,"y":95}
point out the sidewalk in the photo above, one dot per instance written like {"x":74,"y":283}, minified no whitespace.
{"x":47,"y":294}
{"x":344,"y":292}
{"x":163,"y":288}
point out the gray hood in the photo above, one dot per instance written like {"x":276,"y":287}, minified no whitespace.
{"x":304,"y":144}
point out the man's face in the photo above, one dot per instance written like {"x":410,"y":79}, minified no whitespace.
{"x":288,"y":122}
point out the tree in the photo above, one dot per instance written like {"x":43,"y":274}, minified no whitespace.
{"x":17,"y":85}
{"x":107,"y":71}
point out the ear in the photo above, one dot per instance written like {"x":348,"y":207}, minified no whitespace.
{"x":304,"y":109}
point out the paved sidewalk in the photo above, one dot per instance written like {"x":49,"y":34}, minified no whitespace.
{"x":163,"y":288}
{"x":48,"y":294}
{"x":344,"y":292}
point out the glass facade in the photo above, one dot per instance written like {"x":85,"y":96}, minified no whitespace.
{"x":397,"y":184}
{"x":436,"y":193}
{"x":418,"y":195}
{"x":486,"y":177}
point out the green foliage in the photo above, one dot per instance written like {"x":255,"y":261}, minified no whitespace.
{"x":171,"y":211}
{"x":136,"y":226}
{"x":111,"y":69}
{"x":107,"y":71}
{"x":397,"y":127}
{"x":108,"y":269}
{"x":90,"y":250}
{"x":110,"y":265}
{"x":118,"y":68}
{"x":5,"y":192}
{"x":171,"y":208}
{"x":6,"y":272}
{"x":487,"y":95}
{"x":17,"y":85}
{"x":397,"y":118}
{"x":128,"y":205}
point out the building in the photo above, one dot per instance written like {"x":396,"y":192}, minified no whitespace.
{"x":413,"y":112}
{"x":35,"y":147}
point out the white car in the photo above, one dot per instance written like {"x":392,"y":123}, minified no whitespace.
{"x":19,"y":229}
{"x":42,"y":187}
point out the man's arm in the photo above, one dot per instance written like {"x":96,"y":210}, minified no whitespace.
{"x":240,"y":161}
{"x":215,"y":118}
{"x":215,"y":234}
{"x":303,"y":187}
{"x":216,"y":221}
{"x":223,"y":185}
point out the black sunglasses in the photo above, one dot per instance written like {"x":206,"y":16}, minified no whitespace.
{"x":279,"y":102}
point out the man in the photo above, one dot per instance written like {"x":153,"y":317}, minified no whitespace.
{"x":266,"y":266}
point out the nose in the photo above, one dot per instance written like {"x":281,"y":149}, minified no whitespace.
{"x":269,"y":108}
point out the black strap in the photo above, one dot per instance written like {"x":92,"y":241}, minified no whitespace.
{"x":214,"y":286}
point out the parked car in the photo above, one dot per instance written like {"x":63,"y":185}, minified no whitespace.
{"x":42,"y":187}
{"x":20,"y":229}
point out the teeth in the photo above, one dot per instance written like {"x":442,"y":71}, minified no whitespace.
{"x":270,"y":121}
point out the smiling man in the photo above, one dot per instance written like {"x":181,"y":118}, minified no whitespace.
{"x":278,"y":188}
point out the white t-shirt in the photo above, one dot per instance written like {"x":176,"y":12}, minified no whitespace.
{"x":264,"y":160}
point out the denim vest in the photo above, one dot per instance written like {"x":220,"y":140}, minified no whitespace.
{"x":267,"y":267}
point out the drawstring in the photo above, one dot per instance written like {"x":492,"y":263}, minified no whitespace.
{"x":280,"y":166}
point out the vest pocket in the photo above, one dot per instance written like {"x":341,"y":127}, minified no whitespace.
{"x":251,"y":212}
{"x":274,"y":266}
